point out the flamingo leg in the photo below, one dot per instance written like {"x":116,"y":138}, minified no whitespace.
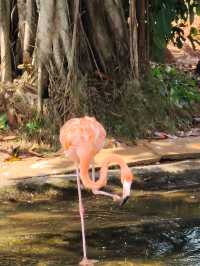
{"x":115,"y":197}
{"x":81,"y":211}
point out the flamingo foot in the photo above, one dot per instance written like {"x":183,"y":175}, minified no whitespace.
{"x":86,"y":262}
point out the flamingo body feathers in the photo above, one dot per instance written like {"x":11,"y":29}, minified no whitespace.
{"x":82,"y":136}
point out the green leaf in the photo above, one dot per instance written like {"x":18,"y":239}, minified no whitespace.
{"x":3,"y":121}
{"x":198,"y":9}
{"x":194,"y":31}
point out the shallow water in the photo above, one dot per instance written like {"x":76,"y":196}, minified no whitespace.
{"x":153,"y":228}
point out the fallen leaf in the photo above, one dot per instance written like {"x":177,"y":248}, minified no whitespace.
{"x":12,"y":159}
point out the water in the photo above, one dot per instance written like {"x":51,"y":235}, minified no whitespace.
{"x":153,"y":228}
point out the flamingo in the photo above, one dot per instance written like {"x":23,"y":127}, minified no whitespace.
{"x":82,"y":138}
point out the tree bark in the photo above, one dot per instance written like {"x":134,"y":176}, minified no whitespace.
{"x":14,"y":37}
{"x":133,"y":40}
{"x":101,"y":38}
{"x":118,"y":27}
{"x":44,"y":46}
{"x":62,"y":26}
{"x":142,"y":18}
{"x":21,"y":7}
{"x":84,"y":43}
{"x":58,"y":55}
{"x":6,"y":66}
{"x":29,"y":31}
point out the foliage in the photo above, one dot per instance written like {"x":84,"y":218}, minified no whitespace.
{"x":40,"y":129}
{"x":162,"y":14}
{"x":33,"y":126}
{"x":194,"y":37}
{"x":3,"y":122}
{"x":180,"y":88}
{"x":164,"y":100}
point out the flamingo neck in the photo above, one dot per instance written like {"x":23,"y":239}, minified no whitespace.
{"x":102,"y":181}
{"x":114,"y":158}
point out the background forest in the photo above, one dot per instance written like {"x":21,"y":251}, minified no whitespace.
{"x":66,"y":58}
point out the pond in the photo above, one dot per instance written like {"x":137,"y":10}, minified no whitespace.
{"x":153,"y":228}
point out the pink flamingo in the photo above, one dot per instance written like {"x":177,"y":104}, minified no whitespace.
{"x":82,"y":138}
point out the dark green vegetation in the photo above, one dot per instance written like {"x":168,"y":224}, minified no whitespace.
{"x":165,"y":100}
{"x":162,"y":13}
{"x":3,"y":122}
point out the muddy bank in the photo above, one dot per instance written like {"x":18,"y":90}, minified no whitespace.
{"x":35,"y":192}
{"x":166,"y":177}
{"x":168,"y":181}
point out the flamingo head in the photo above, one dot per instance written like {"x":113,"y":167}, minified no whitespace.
{"x":126,"y":192}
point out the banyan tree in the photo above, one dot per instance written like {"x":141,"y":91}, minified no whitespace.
{"x":81,"y":52}
{"x":71,"y":45}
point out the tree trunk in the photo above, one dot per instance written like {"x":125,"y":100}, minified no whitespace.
{"x":44,"y":46}
{"x":29,"y":30}
{"x":133,"y":40}
{"x":82,"y":47}
{"x":40,"y":89}
{"x":21,"y":7}
{"x":101,"y":38}
{"x":58,"y":55}
{"x":14,"y":34}
{"x":118,"y":27}
{"x":62,"y":24}
{"x":6,"y":66}
{"x":142,"y":18}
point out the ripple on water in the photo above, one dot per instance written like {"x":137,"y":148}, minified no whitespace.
{"x":152,"y":229}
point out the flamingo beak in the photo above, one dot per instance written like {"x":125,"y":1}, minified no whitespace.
{"x":126,"y":192}
{"x":124,"y":200}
